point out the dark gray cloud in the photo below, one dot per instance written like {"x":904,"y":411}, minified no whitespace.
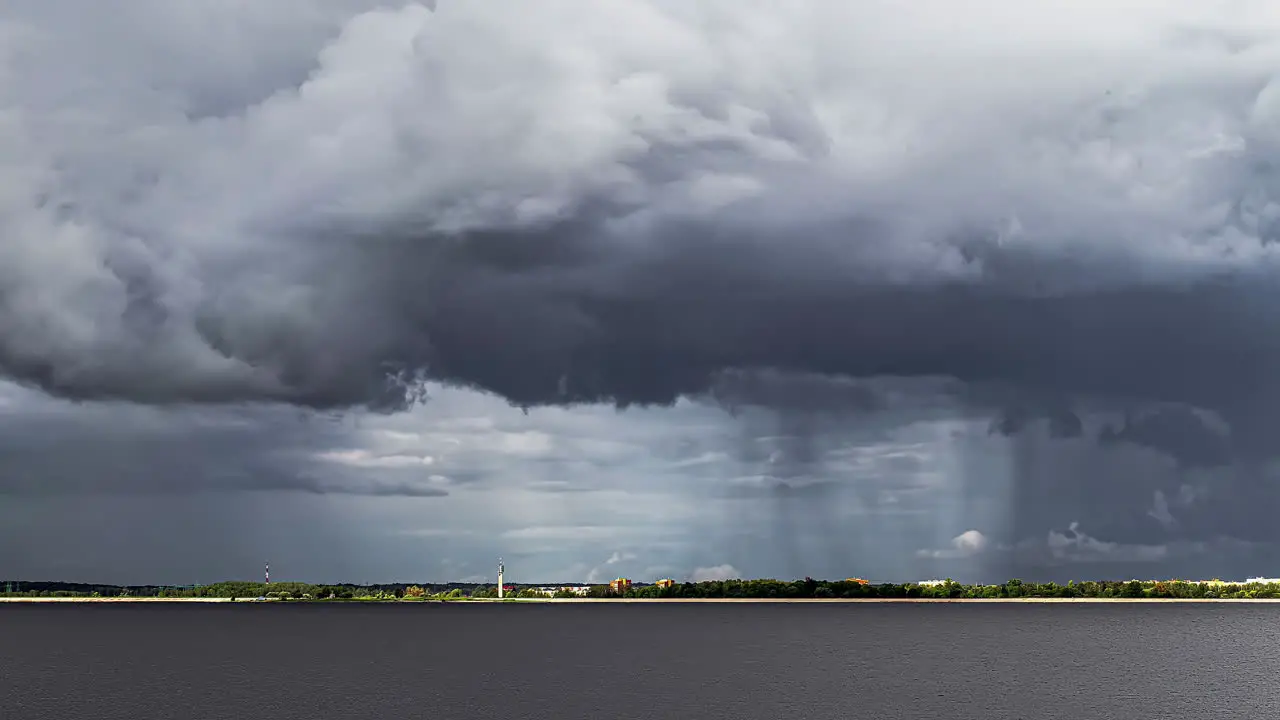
{"x":1191,"y":437}
{"x":650,"y":220}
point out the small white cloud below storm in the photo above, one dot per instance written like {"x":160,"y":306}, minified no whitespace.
{"x":715,"y":572}
{"x":965,"y":545}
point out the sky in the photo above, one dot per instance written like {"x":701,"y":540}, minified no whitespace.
{"x":382,"y":292}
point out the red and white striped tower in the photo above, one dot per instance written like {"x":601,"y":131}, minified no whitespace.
{"x":268,"y":573}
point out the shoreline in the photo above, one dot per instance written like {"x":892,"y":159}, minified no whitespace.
{"x":615,"y":601}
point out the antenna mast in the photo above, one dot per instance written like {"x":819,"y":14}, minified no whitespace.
{"x":501,"y":568}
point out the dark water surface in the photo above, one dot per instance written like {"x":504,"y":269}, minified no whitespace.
{"x":639,"y":661}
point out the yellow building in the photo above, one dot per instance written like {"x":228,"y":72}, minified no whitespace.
{"x":665,"y":583}
{"x":620,"y":584}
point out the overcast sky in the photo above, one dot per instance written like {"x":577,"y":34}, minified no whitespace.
{"x":706,"y":288}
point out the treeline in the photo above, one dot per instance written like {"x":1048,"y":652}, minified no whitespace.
{"x":745,"y":589}
{"x":246,"y":590}
{"x":819,"y":589}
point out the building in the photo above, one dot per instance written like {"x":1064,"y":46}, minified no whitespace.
{"x":932,"y":583}
{"x":552,"y":590}
{"x":1219,"y":583}
{"x":860,"y":581}
{"x":620,"y":585}
{"x":665,"y":583}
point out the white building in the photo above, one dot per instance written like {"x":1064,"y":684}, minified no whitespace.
{"x":932,"y":583}
{"x":1262,"y":581}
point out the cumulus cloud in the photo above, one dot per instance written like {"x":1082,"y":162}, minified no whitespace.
{"x":965,"y":545}
{"x":618,"y":557}
{"x":715,"y":572}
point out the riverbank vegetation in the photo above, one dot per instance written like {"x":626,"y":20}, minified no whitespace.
{"x":732,"y":589}
{"x":850,"y":589}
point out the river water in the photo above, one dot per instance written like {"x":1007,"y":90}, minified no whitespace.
{"x":741,"y":661}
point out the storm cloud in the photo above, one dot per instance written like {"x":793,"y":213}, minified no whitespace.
{"x":617,"y":201}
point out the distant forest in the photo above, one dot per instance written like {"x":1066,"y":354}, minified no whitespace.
{"x":797,"y":589}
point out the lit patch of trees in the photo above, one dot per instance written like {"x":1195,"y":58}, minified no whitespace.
{"x":850,"y":589}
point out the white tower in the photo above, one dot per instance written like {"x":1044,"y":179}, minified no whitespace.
{"x":500,"y":569}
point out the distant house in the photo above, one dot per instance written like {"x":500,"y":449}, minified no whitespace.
{"x":1262,"y":581}
{"x":932,"y":583}
{"x":620,"y":584}
{"x":665,"y":583}
{"x":860,"y":581}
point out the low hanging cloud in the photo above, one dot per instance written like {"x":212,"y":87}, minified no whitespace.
{"x":715,"y":572}
{"x":1073,"y":546}
{"x":611,"y":567}
{"x":1076,"y":546}
{"x":367,"y":459}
